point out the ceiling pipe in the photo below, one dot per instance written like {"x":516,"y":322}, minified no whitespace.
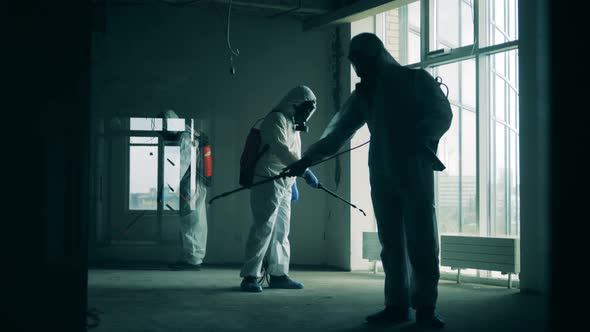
{"x":287,"y":11}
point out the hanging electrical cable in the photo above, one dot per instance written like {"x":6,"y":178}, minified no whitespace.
{"x":232,"y":53}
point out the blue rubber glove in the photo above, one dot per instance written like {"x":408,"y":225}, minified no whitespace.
{"x":294,"y":192}
{"x":311,"y":179}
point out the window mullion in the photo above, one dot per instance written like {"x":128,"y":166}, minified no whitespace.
{"x":425,"y":30}
{"x":475,"y":11}
{"x":460,"y":148}
{"x":484,"y":144}
{"x":485,"y":123}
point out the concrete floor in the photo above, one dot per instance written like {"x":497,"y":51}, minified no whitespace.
{"x":210,"y":300}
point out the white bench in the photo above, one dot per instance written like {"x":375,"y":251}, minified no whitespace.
{"x":483,"y":253}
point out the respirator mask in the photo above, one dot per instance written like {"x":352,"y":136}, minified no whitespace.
{"x":302,"y":114}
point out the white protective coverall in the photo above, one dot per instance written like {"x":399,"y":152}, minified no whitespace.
{"x":402,"y":155}
{"x":193,"y":195}
{"x":271,"y":202}
{"x":193,"y":204}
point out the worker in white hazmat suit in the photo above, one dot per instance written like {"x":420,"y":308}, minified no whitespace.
{"x":193,"y":194}
{"x":407,"y":114}
{"x":271,"y":202}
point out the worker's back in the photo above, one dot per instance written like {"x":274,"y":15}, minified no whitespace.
{"x":391,"y":117}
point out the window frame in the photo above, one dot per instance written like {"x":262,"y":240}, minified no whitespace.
{"x":129,"y":145}
{"x":160,"y":205}
{"x":485,"y":120}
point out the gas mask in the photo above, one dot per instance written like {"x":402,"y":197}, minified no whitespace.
{"x":302,"y":114}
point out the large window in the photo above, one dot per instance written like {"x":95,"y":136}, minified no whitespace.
{"x":504,"y":193}
{"x":479,"y":192}
{"x":144,"y":164}
{"x":456,"y":187}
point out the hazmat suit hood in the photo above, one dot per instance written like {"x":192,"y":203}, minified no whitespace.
{"x":298,"y":105}
{"x":368,"y":55}
{"x":295,"y":96}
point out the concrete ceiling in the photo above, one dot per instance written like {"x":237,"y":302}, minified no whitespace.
{"x":303,"y":9}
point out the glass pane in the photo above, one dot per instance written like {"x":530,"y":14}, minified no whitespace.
{"x":459,"y":75}
{"x":171,"y":177}
{"x":447,"y":23}
{"x":499,"y":98}
{"x":450,"y":76}
{"x":514,"y":195}
{"x":143,"y":177}
{"x":447,"y":182}
{"x":513,"y":22}
{"x":175,"y":124}
{"x":401,"y":33}
{"x":413,"y":48}
{"x":143,"y":140}
{"x":501,"y":23}
{"x":414,"y":15}
{"x":504,"y":163}
{"x":468,"y":83}
{"x":145,"y":124}
{"x":499,"y":187}
{"x":512,"y":107}
{"x":500,"y":63}
{"x":448,"y":149}
{"x":456,"y":186}
{"x":466,"y":23}
{"x":499,"y":11}
{"x":512,"y":67}
{"x":499,"y":37}
{"x":517,"y":187}
{"x":468,"y":173}
{"x":453,"y":24}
